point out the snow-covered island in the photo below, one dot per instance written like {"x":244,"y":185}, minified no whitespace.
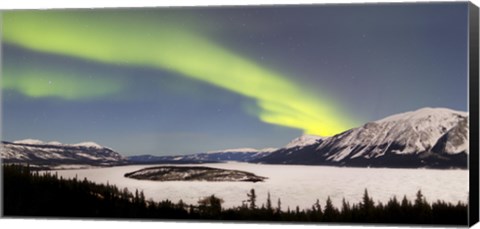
{"x":192,"y":173}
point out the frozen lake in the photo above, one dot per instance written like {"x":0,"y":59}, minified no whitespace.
{"x":294,"y":184}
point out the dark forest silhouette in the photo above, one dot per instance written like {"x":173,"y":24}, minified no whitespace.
{"x":31,"y":194}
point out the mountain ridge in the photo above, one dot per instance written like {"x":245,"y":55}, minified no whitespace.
{"x":424,"y":138}
{"x":401,"y":140}
{"x":57,"y":155}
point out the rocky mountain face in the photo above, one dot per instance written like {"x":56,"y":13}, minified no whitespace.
{"x":429,"y":137}
{"x":54,"y":154}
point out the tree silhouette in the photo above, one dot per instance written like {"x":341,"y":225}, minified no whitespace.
{"x":28,"y":193}
{"x":269,"y":202}
{"x":367,"y":207}
{"x":252,"y":197}
{"x":279,"y":206}
{"x":346,"y":211}
{"x":210,"y":205}
{"x":421,"y":208}
{"x":330,"y":213}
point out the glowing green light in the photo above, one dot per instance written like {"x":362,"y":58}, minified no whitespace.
{"x":42,"y":82}
{"x":131,"y":40}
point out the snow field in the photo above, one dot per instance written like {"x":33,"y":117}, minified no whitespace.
{"x":294,"y":185}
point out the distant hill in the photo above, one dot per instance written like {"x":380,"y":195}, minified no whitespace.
{"x":56,"y":155}
{"x":240,"y":155}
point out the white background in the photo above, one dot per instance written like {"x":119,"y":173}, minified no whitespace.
{"x":71,"y":224}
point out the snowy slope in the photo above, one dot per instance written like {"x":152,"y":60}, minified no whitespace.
{"x":89,"y":145}
{"x":29,"y":142}
{"x":455,"y":141}
{"x":36,"y":152}
{"x":303,"y":141}
{"x":428,"y":137}
{"x":407,"y":133}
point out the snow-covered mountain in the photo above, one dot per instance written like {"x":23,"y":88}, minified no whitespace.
{"x":303,"y":141}
{"x":240,"y":155}
{"x":428,"y":137}
{"x":52,"y":154}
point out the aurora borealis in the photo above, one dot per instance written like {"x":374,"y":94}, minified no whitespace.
{"x":224,"y":77}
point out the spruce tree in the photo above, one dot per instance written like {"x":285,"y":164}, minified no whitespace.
{"x":252,"y":197}
{"x":269,"y":202}
{"x":279,"y":206}
{"x":329,"y":214}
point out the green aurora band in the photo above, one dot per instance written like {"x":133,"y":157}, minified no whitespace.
{"x":115,"y":38}
{"x":35,"y":80}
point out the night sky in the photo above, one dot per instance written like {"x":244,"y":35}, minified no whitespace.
{"x":187,"y":80}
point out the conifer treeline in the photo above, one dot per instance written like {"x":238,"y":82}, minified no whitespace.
{"x":28,"y":193}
